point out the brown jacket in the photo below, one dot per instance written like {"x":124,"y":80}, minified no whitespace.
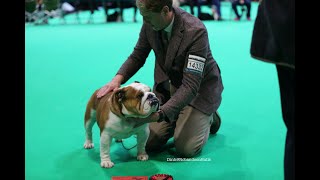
{"x":189,"y":66}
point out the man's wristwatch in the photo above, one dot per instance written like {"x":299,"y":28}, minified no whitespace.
{"x":162,"y":117}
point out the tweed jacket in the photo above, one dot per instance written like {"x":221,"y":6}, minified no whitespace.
{"x":188,"y":65}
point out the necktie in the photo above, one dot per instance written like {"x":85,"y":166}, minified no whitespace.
{"x":165,"y":41}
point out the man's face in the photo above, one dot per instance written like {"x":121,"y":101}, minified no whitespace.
{"x":155,"y":19}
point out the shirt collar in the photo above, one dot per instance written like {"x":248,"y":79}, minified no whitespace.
{"x":168,"y":29}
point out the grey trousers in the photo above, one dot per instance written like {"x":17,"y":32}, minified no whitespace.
{"x":190,"y":132}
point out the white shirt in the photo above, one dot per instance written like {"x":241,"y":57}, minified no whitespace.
{"x":168,"y":29}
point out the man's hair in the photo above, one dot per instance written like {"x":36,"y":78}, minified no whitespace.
{"x":156,"y":5}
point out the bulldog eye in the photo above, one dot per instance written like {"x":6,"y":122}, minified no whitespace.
{"x":140,"y":95}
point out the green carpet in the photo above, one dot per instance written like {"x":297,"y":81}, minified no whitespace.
{"x":66,"y":63}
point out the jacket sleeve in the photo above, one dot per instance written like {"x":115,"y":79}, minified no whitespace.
{"x":194,"y":67}
{"x":137,"y":58}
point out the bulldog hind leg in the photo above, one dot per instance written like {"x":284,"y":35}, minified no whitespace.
{"x":90,"y":120}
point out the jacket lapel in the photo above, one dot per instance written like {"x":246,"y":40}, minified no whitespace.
{"x":176,"y":37}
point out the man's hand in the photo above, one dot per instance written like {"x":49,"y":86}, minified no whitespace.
{"x":111,"y":86}
{"x":154,"y":117}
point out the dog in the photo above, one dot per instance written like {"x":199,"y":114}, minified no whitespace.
{"x":113,"y":112}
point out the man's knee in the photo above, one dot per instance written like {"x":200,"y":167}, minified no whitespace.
{"x":187,"y":149}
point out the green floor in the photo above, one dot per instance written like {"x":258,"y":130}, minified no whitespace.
{"x":66,"y":63}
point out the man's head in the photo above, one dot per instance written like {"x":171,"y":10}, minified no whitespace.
{"x":157,"y":13}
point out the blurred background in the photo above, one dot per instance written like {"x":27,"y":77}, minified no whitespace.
{"x":39,"y":11}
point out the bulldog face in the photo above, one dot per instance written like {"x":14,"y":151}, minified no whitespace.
{"x":137,"y":100}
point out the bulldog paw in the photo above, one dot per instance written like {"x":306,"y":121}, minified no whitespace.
{"x":107,"y":164}
{"x":142,"y":157}
{"x":88,"y":144}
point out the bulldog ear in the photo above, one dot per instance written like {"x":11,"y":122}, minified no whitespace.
{"x":120,"y":93}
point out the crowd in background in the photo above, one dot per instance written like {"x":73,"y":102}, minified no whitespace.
{"x":40,"y":14}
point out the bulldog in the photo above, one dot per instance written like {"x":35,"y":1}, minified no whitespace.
{"x":113,"y":113}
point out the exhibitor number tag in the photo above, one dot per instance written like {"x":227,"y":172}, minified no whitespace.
{"x":195,"y":64}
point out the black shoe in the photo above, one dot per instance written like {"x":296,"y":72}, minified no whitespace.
{"x":215,"y":124}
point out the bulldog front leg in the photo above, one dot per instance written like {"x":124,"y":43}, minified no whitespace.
{"x":105,"y":142}
{"x":142,"y":137}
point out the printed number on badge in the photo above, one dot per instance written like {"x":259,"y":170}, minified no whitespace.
{"x":195,"y":65}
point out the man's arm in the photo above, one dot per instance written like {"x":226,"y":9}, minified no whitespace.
{"x":134,"y":62}
{"x":137,"y":58}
